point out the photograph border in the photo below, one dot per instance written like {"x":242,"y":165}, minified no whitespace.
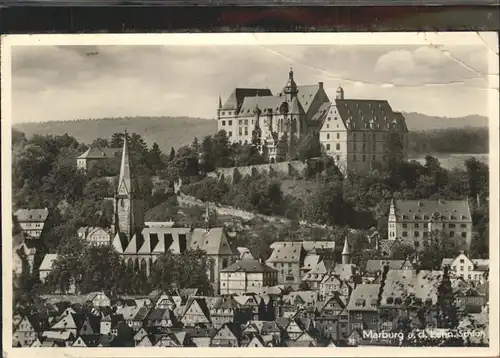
{"x":487,"y":39}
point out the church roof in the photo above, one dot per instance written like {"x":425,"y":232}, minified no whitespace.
{"x":236,"y":98}
{"x":125,"y":179}
{"x":120,"y":242}
{"x":213,"y":242}
{"x":448,"y":210}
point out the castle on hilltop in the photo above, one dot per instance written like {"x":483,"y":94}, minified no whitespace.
{"x":352,"y":131}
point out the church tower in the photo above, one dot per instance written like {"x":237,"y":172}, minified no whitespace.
{"x":128,"y":207}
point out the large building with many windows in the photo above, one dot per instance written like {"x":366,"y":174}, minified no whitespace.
{"x":417,"y":220}
{"x":353,"y":131}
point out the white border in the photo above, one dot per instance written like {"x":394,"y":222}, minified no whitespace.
{"x":485,"y":39}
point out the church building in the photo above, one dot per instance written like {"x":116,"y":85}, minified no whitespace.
{"x":141,"y":245}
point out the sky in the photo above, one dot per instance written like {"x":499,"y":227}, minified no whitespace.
{"x":72,"y":82}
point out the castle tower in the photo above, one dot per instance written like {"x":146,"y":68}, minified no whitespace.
{"x":346,"y":253}
{"x":340,"y":93}
{"x":128,"y":208}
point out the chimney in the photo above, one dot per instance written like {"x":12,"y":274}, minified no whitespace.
{"x":320,"y":85}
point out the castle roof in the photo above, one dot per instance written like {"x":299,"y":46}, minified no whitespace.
{"x":264,"y":103}
{"x":368,"y":115}
{"x":306,"y":95}
{"x":32,"y":215}
{"x":447,"y":210}
{"x":99,"y":153}
{"x":248,"y":266}
{"x":236,"y":98}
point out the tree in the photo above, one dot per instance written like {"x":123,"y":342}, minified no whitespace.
{"x":221,"y":150}
{"x":172,"y":154}
{"x":154,"y":161}
{"x":102,"y":270}
{"x":100,"y":142}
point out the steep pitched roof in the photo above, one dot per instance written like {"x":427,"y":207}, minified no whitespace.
{"x":264,"y":103}
{"x":48,"y":261}
{"x":452,"y":210}
{"x":378,"y":265}
{"x":358,"y":114}
{"x":120,"y":242}
{"x":213,"y":242}
{"x":364,"y":297}
{"x":399,"y":283}
{"x":99,"y":153}
{"x":236,"y":98}
{"x":315,"y":245}
{"x":248,"y":266}
{"x":31,"y":215}
{"x":125,"y":178}
{"x":290,"y":252}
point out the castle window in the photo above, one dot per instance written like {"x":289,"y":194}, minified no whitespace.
{"x":405,"y":234}
{"x":223,"y":123}
{"x":464,"y":234}
{"x":328,"y":147}
{"x":417,"y":234}
{"x":246,"y":130}
{"x":240,"y":122}
{"x":354,"y":157}
{"x":364,"y":158}
{"x":230,"y":123}
{"x":327,"y":135}
{"x":230,"y":133}
{"x":240,"y":131}
{"x":364,"y":146}
{"x":329,"y":118}
{"x":354,"y":146}
{"x":327,"y":126}
{"x":452,"y":233}
{"x":335,"y":118}
{"x":246,"y":122}
{"x":338,"y":146}
{"x":223,"y":113}
{"x":338,"y":135}
{"x":338,"y":158}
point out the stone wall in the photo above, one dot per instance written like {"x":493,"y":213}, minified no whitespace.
{"x":294,"y":168}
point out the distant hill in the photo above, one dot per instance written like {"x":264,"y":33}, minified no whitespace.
{"x":422,"y":122}
{"x":177,"y":131}
{"x":166,"y":131}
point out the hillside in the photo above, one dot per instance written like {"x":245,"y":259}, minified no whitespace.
{"x":422,"y":122}
{"x":166,"y":131}
{"x":177,"y":131}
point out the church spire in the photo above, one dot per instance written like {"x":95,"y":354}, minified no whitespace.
{"x":125,"y":181}
{"x":346,"y":252}
{"x":220,"y":102}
